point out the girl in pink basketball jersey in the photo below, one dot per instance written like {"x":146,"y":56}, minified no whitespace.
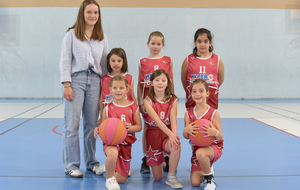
{"x":154,"y":61}
{"x":117,"y":164}
{"x":204,"y":64}
{"x":116,"y":65}
{"x":203,"y":157}
{"x":161,"y":135}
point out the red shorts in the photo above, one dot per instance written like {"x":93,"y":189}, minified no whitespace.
{"x":124,"y":158}
{"x":194,"y":161}
{"x":156,"y":141}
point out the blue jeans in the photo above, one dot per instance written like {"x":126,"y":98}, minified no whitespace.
{"x":86,"y":89}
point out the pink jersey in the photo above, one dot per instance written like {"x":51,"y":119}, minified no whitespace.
{"x":163,"y":110}
{"x":148,"y":66}
{"x":209,"y":115}
{"x":105,"y":92}
{"x":126,"y":114}
{"x":206,"y":69}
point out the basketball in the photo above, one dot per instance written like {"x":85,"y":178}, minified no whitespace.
{"x":200,"y":139}
{"x":112,"y":131}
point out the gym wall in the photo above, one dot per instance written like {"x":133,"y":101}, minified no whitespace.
{"x":259,"y":42}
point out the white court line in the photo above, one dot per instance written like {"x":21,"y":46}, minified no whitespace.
{"x":287,"y":125}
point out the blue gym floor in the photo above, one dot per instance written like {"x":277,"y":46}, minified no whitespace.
{"x":261,"y":140}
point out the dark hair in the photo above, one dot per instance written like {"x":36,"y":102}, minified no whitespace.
{"x":80,"y":23}
{"x":119,"y":78}
{"x":158,"y":34}
{"x":121,"y":53}
{"x":199,"y":32}
{"x":168,"y":93}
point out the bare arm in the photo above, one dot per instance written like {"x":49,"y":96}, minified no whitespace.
{"x":138,"y":123}
{"x":221,"y":72}
{"x":184,"y":71}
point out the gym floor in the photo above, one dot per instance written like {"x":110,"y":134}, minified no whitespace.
{"x":261,"y":140}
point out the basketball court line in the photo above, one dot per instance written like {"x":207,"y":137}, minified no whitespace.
{"x":26,"y":112}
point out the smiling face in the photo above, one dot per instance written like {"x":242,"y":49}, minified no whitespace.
{"x":202,"y":44}
{"x":116,"y":63}
{"x":199,"y":93}
{"x":91,"y":14}
{"x":118,"y":89}
{"x":160,"y":83}
{"x":155,"y":45}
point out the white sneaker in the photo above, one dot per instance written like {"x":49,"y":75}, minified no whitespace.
{"x":94,"y":169}
{"x":112,"y":184}
{"x":101,"y":170}
{"x":212,"y":170}
{"x":210,"y":184}
{"x":173,"y":182}
{"x":75,"y":173}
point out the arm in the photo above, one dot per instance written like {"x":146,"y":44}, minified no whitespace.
{"x":65,"y":66}
{"x":139,"y":93}
{"x":184,"y":71}
{"x":132,"y":91}
{"x":138,"y":123}
{"x":190,"y":128}
{"x":221,"y":72}
{"x":173,"y":118}
{"x":101,"y":109}
{"x":172,"y":85}
{"x":174,"y":140}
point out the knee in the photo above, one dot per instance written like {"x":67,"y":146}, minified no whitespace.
{"x":200,"y":155}
{"x":195,"y":183}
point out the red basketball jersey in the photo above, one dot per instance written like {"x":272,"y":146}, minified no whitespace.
{"x":107,"y":96}
{"x":126,"y":114}
{"x":148,"y":66}
{"x":209,"y":115}
{"x":163,"y":110}
{"x":206,"y":69}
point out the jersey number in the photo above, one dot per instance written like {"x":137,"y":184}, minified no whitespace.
{"x":203,"y":69}
{"x":156,"y":67}
{"x":162,"y":115}
{"x":123,"y":118}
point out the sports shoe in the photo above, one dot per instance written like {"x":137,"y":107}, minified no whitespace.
{"x":173,"y":182}
{"x":144,"y":168}
{"x":112,"y":184}
{"x":210,"y":184}
{"x":166,"y":164}
{"x":94,"y":169}
{"x":129,"y":173}
{"x":75,"y":173}
{"x":101,"y":170}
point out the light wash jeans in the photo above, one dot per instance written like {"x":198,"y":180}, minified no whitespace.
{"x":86,"y":89}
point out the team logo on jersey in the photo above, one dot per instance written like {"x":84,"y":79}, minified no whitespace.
{"x":109,"y":97}
{"x":165,"y":62}
{"x":130,"y":111}
{"x":211,"y":63}
{"x":208,"y":78}
{"x":147,"y":78}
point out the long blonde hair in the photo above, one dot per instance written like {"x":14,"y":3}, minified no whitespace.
{"x":79,"y":25}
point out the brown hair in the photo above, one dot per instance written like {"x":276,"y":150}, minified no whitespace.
{"x":168,"y":93}
{"x":199,"y":32}
{"x":121,"y":53}
{"x":197,"y":81}
{"x":158,"y":34}
{"x":119,"y":78}
{"x":79,"y":25}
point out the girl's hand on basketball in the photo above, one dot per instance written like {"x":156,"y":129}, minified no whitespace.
{"x":68,"y":94}
{"x":191,"y":129}
{"x":209,"y":131}
{"x":96,"y":132}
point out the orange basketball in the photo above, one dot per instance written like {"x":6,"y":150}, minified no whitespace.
{"x":200,"y":139}
{"x":112,"y":131}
